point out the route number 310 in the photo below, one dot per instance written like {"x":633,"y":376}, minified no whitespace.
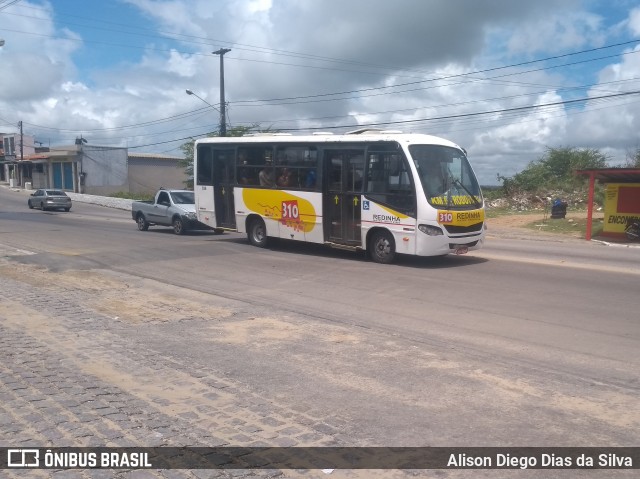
{"x":445,"y":217}
{"x":290,"y":210}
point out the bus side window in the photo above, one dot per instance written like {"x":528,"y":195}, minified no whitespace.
{"x":376,"y":182}
{"x":297,"y":166}
{"x":251,"y":161}
{"x":388,"y":182}
{"x":356,"y":173}
{"x":205,"y":166}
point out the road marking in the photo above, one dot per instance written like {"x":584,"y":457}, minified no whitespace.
{"x":6,"y":250}
{"x":560,"y":263}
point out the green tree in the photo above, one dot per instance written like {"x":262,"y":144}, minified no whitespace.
{"x":187,"y":150}
{"x":555,"y":170}
{"x":633,"y":159}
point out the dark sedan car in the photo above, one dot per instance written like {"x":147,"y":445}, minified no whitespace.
{"x":49,"y":200}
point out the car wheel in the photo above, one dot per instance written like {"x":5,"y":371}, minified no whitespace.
{"x":42,"y":207}
{"x":67,"y":209}
{"x":257,"y":233}
{"x":382,"y":247}
{"x":143,"y":224}
{"x":30,"y":205}
{"x":178,"y":226}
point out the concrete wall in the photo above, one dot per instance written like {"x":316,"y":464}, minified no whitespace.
{"x":105,"y":170}
{"x":146,"y":175}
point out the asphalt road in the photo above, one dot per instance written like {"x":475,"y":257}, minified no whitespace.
{"x":528,"y":342}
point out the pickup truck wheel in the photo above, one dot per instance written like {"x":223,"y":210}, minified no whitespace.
{"x":143,"y":224}
{"x":178,"y":226}
{"x":257,"y":233}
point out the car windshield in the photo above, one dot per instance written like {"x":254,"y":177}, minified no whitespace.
{"x":56,"y":193}
{"x":183,"y":198}
{"x":446,"y":176}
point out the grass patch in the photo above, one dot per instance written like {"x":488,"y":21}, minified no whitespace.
{"x":568,"y":226}
{"x":498,"y":212}
{"x":132,"y":196}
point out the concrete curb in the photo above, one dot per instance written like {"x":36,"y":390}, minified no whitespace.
{"x":614,"y":244}
{"x":107,"y":201}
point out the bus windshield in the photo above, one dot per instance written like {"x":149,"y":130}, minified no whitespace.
{"x":446,"y":176}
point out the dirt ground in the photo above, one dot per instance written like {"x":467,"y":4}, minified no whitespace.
{"x":514,"y":224}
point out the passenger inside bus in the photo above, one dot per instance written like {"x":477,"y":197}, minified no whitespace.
{"x":310,"y":180}
{"x":286,"y":177}
{"x":244,"y":172}
{"x":267,"y":176}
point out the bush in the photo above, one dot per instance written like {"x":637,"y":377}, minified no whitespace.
{"x":133,"y":196}
{"x":554,"y":175}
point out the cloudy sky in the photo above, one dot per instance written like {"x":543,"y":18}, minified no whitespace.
{"x":505,"y":79}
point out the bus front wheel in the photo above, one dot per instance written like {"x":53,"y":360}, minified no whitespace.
{"x":382,"y":247}
{"x":257,"y":233}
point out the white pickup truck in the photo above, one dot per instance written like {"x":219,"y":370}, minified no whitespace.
{"x":175,"y":208}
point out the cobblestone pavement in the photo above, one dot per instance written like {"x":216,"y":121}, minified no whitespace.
{"x":72,"y":376}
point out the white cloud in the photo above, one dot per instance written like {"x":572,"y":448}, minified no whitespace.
{"x":634,"y":21}
{"x":352,"y":46}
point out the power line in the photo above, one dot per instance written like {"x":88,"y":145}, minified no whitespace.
{"x":8,"y":4}
{"x":447,"y":117}
{"x":474,"y":114}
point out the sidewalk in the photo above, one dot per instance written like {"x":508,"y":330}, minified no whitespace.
{"x":108,"y":201}
{"x":619,"y":242}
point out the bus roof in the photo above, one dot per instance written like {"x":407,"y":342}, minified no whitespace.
{"x":357,"y":136}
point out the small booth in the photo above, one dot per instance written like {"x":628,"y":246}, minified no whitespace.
{"x":621,"y":198}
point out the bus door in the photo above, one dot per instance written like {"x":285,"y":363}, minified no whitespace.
{"x":223,"y":181}
{"x":343,"y":178}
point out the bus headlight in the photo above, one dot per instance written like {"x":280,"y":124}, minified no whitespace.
{"x":430,"y":230}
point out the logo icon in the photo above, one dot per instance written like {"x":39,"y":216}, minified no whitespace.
{"x":23,"y":457}
{"x":365,"y":205}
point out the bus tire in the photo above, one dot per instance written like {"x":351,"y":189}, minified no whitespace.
{"x":257,"y":232}
{"x":382,"y":247}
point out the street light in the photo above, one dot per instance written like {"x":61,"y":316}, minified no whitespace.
{"x":223,"y":129}
{"x":190,"y":92}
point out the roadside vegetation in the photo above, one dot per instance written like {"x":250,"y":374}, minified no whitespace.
{"x":550,"y":177}
{"x":576,"y":226}
{"x":132,"y":196}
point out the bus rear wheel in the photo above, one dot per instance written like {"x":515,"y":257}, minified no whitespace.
{"x":257,"y":233}
{"x":382,"y":247}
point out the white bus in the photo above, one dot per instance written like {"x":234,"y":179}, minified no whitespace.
{"x":381,"y":191}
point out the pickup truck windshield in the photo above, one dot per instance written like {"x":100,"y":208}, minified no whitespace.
{"x":183,"y":198}
{"x":446,"y":176}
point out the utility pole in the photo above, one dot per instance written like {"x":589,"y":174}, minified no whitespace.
{"x":21,"y":153}
{"x":223,"y":106}
{"x":21,"y":141}
{"x":81,"y":176}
